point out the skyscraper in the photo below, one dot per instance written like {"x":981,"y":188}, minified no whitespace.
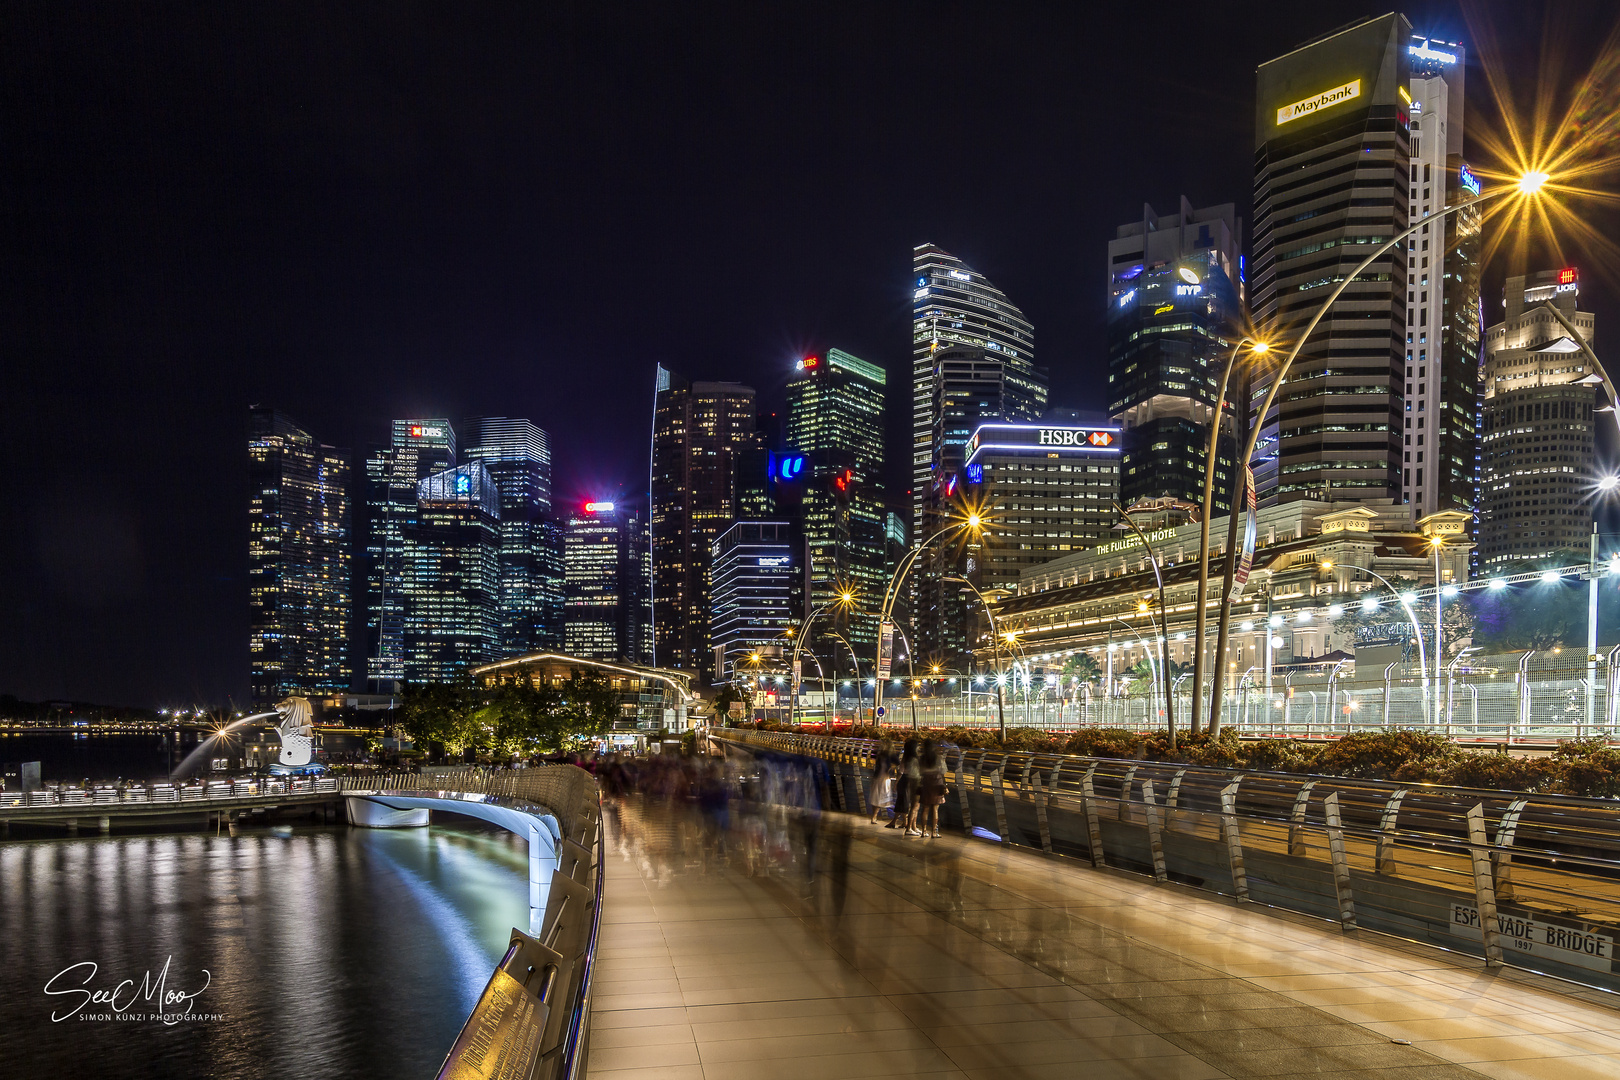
{"x":1330,"y":182}
{"x":1539,"y":462}
{"x":417,"y":449}
{"x":298,"y":561}
{"x":1442,"y":293}
{"x":835,"y":417}
{"x":1048,"y":489}
{"x":700,"y":431}
{"x":452,"y":575}
{"x":973,"y":358}
{"x":1174,"y":300}
{"x":604,"y":548}
{"x":517,"y":455}
{"x":991,"y":369}
{"x":753,"y":570}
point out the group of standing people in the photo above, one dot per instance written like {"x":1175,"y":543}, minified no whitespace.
{"x":916,"y":777}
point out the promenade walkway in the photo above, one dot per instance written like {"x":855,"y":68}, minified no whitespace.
{"x":960,"y":958}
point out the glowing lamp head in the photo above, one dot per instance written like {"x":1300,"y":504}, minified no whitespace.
{"x":1608,"y":483}
{"x":1549,"y":576}
{"x":1531,"y":182}
{"x":1449,"y":591}
{"x":1498,"y":583}
{"x":1335,"y":610}
{"x":1327,"y":564}
{"x":974,"y":521}
{"x":1260,"y":348}
{"x":1409,"y":597}
{"x":1369,"y":605}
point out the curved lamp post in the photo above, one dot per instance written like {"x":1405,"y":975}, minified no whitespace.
{"x":1257,"y":348}
{"x":973,"y":523}
{"x":1529,"y":184}
{"x":1417,"y":629}
{"x":1164,"y":628}
{"x":995,"y":647}
{"x":843,"y":599}
{"x":1147,"y":654}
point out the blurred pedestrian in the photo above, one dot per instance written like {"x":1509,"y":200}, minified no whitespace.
{"x":931,"y":793}
{"x":903,"y":791}
{"x":881,"y":794}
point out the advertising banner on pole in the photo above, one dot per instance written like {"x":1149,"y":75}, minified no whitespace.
{"x":885,"y":650}
{"x":798,"y":675}
{"x":1240,"y":574}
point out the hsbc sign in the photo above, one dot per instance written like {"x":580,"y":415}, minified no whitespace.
{"x":1041,"y":437}
{"x":1074,"y":437}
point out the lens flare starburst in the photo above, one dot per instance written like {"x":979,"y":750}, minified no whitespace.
{"x":1555,"y":139}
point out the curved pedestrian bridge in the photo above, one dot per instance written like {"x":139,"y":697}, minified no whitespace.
{"x":790,"y":946}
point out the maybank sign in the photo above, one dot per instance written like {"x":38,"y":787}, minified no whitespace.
{"x":1317,"y":102}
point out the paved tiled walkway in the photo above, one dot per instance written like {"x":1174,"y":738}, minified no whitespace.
{"x":958,"y":958}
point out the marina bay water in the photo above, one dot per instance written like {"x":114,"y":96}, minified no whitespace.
{"x":300,"y":951}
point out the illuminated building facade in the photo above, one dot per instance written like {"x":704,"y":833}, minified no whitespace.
{"x":835,"y":418}
{"x":417,"y":449}
{"x":517,"y":456}
{"x":973,"y":361}
{"x":1047,"y":490}
{"x":452,"y":575}
{"x":1439,"y":466}
{"x":1331,"y":182}
{"x":752,"y":592}
{"x":604,"y":555}
{"x":701,"y":432}
{"x":299,"y":600}
{"x":1174,"y":298}
{"x":1539,"y":461}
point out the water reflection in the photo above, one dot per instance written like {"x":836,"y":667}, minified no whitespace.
{"x":332,"y":951}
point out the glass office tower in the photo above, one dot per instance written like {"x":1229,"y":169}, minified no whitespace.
{"x":604,"y":554}
{"x":701,"y":431}
{"x":1331,"y":182}
{"x":418,"y":448}
{"x":835,"y":417}
{"x":452,"y":575}
{"x":517,"y":455}
{"x":1174,"y":299}
{"x":298,"y":561}
{"x":973,"y":362}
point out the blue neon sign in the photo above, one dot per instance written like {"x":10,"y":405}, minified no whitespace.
{"x":1468,"y":180}
{"x":789,"y":467}
{"x":975,"y":473}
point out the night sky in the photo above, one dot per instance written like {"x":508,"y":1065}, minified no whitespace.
{"x":360,"y":212}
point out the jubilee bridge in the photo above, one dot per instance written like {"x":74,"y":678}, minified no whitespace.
{"x":1105,"y":919}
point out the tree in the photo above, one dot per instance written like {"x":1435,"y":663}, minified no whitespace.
{"x":722,"y":702}
{"x":438,"y":713}
{"x":1083,"y":666}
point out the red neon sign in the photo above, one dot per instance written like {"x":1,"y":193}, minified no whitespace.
{"x":1101,"y":438}
{"x":810,"y":363}
{"x":1567,"y":276}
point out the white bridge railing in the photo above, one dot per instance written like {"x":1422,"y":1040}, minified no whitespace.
{"x":146,"y":794}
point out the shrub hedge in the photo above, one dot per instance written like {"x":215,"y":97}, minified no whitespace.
{"x":1578,"y":767}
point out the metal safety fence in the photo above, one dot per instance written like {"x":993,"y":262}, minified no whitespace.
{"x":1533,"y":697}
{"x":1531,"y":881}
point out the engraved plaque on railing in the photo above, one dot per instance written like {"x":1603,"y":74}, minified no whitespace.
{"x":505,"y":1035}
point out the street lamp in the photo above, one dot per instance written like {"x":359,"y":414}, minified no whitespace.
{"x":843,"y":599}
{"x":1256,"y":348}
{"x":1164,"y":630}
{"x":974,"y":524}
{"x":1405,"y":598}
{"x":1530,"y":183}
{"x":995,"y":646}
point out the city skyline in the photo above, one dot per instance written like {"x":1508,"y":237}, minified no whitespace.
{"x":135,"y":615}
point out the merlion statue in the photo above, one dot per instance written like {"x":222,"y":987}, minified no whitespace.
{"x":297,"y":731}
